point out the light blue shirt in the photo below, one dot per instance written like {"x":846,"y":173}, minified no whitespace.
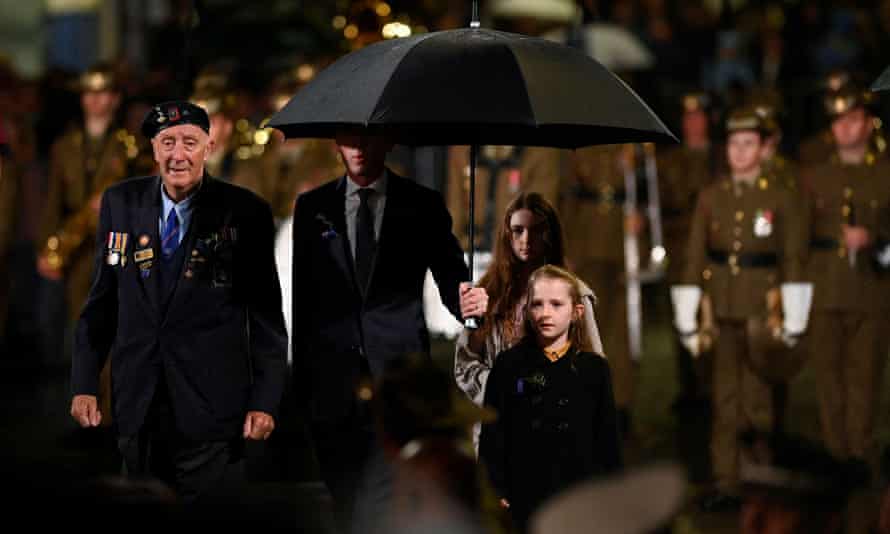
{"x":183,"y":210}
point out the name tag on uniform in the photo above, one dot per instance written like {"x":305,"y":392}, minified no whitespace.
{"x":763,"y":223}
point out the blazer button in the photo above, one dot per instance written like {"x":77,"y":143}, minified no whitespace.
{"x":563,"y":402}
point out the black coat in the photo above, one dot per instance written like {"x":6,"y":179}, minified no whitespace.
{"x":556,"y":424}
{"x":218,"y":337}
{"x":335,"y":325}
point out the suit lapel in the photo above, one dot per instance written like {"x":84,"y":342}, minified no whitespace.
{"x":146,"y":225}
{"x":334,"y":212}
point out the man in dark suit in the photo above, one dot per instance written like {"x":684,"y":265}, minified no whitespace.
{"x":362,"y":247}
{"x":186,"y":301}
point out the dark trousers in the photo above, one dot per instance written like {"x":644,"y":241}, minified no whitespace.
{"x":355,"y":468}
{"x":194,"y":470}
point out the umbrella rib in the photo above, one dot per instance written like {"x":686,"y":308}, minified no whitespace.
{"x":528,"y":98}
{"x":386,"y":85}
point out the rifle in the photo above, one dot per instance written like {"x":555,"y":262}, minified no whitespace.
{"x":636,"y":275}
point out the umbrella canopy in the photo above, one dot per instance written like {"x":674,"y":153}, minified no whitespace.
{"x":883,"y":81}
{"x":473,"y":86}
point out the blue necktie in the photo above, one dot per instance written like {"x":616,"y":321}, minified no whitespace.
{"x":170,"y":235}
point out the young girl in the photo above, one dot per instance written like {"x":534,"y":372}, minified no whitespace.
{"x":530,"y":236}
{"x":557,"y":423}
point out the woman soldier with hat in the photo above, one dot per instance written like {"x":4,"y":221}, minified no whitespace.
{"x":745,"y":249}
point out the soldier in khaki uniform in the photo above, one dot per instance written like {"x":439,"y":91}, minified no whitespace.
{"x":848,"y":200}
{"x":746,"y":241}
{"x":819,"y":147}
{"x":683,"y":171}
{"x":83,"y":162}
{"x":591,"y":207}
{"x":502,"y":172}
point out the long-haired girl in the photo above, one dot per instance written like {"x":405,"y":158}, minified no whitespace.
{"x":557,"y":423}
{"x":530,"y":235}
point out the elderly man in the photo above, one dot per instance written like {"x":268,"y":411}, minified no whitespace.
{"x":186,"y":301}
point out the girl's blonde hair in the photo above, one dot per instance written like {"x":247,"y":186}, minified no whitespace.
{"x":579,"y":329}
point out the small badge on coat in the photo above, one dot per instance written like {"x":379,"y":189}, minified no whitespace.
{"x":145,"y":268}
{"x":143,"y":255}
{"x":763,"y":223}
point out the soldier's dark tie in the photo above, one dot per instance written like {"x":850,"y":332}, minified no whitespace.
{"x":170,"y":235}
{"x":365,"y":243}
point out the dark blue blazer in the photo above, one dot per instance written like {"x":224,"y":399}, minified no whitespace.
{"x":218,"y":336}
{"x":336,"y":324}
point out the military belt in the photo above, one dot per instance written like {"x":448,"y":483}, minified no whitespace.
{"x":599,"y":196}
{"x":825,"y":243}
{"x":767,"y":259}
{"x":668,"y":213}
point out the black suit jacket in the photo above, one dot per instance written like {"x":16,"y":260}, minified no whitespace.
{"x":218,"y":337}
{"x":336,"y":325}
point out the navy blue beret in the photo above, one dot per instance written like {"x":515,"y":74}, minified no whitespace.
{"x":174,"y":113}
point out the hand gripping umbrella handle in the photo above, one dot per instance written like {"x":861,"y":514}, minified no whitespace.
{"x":471,"y":323}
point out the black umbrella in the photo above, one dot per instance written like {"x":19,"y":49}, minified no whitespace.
{"x":472,"y":86}
{"x":883,"y":81}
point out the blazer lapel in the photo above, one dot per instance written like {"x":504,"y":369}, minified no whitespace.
{"x":146,"y":229}
{"x":335,"y":214}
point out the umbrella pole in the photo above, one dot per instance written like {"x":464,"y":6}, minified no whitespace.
{"x":471,"y":322}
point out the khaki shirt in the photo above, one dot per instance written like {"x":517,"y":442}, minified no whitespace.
{"x":591,"y":206}
{"x":741,"y":221}
{"x":79,"y":169}
{"x":784,"y":170}
{"x":682,"y":174}
{"x":834,"y":193}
